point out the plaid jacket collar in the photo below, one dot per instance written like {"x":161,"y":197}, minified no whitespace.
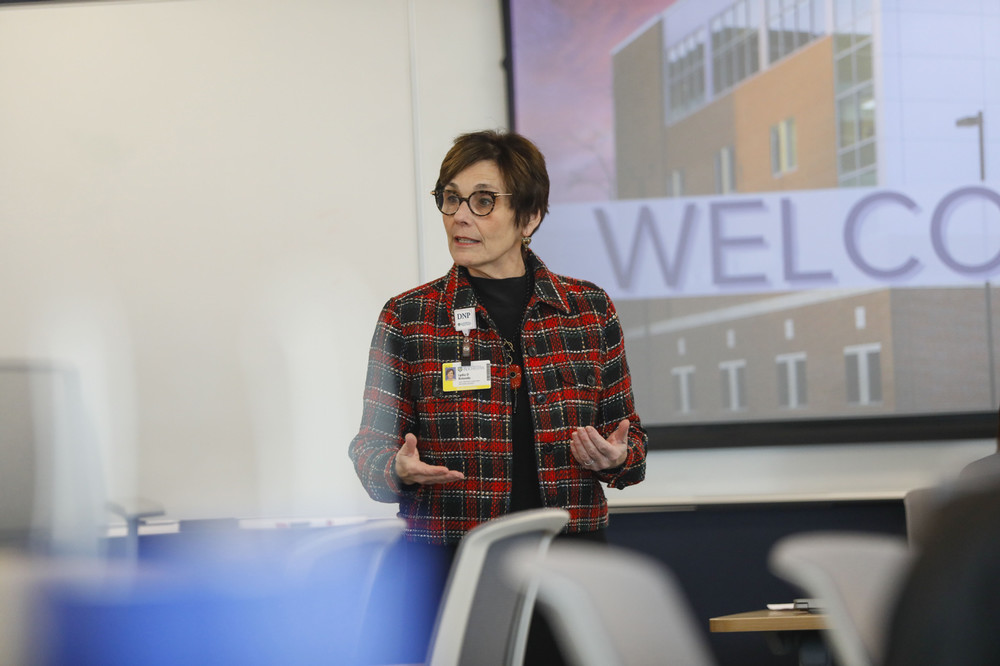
{"x":458,"y":292}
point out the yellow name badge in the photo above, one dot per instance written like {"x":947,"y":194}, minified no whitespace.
{"x":458,"y":377}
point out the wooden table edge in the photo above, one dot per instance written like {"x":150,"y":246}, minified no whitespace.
{"x":768,"y":620}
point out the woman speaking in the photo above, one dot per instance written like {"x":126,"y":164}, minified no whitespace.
{"x":500,"y":386}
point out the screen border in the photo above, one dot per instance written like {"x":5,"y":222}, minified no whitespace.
{"x":943,"y":426}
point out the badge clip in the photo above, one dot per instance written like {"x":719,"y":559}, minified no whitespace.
{"x":465,"y":321}
{"x":466,"y":349}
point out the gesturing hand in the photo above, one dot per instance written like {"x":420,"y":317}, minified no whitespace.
{"x":596,"y":453}
{"x":411,"y":470}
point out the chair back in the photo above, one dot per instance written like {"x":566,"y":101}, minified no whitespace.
{"x":986,"y":469}
{"x":855,"y":577}
{"x":921,"y":505}
{"x":335,"y":571}
{"x":612,"y":607}
{"x":369,"y":539}
{"x":51,"y":487}
{"x":482,"y":620}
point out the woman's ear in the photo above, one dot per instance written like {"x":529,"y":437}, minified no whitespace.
{"x":533,"y":222}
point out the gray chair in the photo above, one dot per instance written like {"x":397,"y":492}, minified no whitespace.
{"x":51,"y":487}
{"x":986,"y":469}
{"x":855,"y":577}
{"x":482,"y":620}
{"x":52,"y":495}
{"x":612,"y":607}
{"x":921,"y":505}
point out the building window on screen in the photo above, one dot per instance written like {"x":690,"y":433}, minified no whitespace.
{"x":684,"y":387}
{"x":791,"y":380}
{"x":733,"y":376}
{"x":725,"y":174}
{"x":863,"y":374}
{"x":784,"y":148}
{"x":675,"y":188}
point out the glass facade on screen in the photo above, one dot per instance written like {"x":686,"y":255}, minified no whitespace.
{"x":735,"y":45}
{"x":855,"y":93}
{"x":792,"y":24}
{"x":686,"y":74}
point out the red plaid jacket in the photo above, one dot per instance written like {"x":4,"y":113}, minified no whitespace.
{"x":576,"y":374}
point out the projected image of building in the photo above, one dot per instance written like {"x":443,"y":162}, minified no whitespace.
{"x":718,"y":96}
{"x":731,"y":97}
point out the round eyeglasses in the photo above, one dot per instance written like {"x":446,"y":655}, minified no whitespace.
{"x":481,"y":202}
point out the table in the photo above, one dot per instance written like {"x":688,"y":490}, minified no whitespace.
{"x":768,"y":620}
{"x":784,"y":630}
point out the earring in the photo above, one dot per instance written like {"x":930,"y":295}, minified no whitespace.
{"x":525,"y":241}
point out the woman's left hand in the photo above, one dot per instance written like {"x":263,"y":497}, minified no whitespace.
{"x":596,"y":453}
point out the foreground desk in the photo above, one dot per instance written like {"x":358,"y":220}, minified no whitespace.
{"x":784,"y":631}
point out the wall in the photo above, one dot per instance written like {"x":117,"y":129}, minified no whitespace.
{"x":204,"y":204}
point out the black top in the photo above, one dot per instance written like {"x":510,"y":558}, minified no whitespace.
{"x":506,"y":300}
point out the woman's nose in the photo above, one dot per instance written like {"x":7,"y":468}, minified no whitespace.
{"x":464,"y":213}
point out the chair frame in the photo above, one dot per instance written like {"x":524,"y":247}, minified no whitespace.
{"x":856,"y":576}
{"x":535,"y":528}
{"x":610,"y":606}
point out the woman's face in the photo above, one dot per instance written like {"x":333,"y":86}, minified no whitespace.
{"x":489,"y":245}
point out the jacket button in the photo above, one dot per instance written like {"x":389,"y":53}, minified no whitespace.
{"x":591,"y":379}
{"x":529,"y":350}
{"x":540,"y":399}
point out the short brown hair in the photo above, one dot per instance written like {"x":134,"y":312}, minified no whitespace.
{"x":521,"y":165}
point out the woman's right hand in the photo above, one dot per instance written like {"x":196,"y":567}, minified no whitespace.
{"x":411,"y":470}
